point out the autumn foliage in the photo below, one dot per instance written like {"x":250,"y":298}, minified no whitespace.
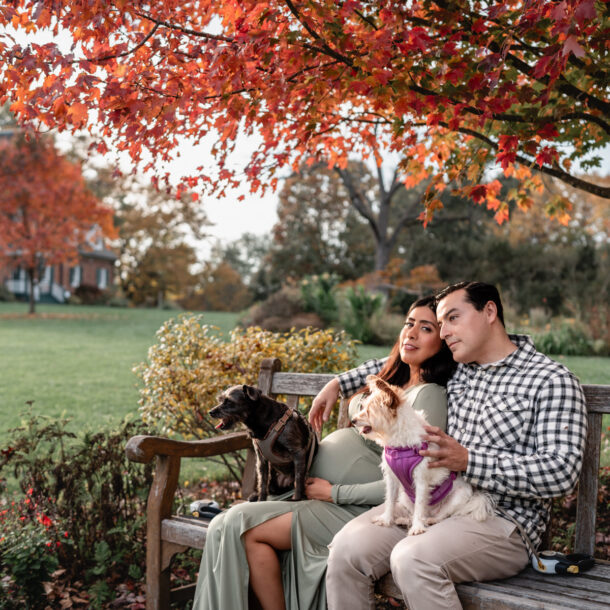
{"x":46,"y":210}
{"x":190,"y":365}
{"x":450,"y":86}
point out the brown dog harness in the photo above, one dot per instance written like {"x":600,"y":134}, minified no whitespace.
{"x":265,"y":445}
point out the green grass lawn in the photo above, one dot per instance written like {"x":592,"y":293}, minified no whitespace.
{"x":77,"y":360}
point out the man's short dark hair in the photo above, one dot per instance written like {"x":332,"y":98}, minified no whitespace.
{"x":478,"y":294}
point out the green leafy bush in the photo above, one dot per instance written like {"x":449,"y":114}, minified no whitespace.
{"x":317,"y":293}
{"x":6,"y":295}
{"x":189,"y":365}
{"x":362,"y":308}
{"x":90,"y":295}
{"x":80,"y":493}
{"x":567,"y":340}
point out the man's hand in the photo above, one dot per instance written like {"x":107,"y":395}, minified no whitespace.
{"x":318,"y":489}
{"x":450,"y":454}
{"x":323,"y":404}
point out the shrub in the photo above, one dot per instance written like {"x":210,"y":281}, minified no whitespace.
{"x":79,"y":493}
{"x":189,"y":365}
{"x":317,"y":293}
{"x":280,"y":312}
{"x":90,"y":295}
{"x":362,"y":307}
{"x":28,"y":550}
{"x":6,"y":295}
{"x":567,"y":340}
{"x":387,"y":327}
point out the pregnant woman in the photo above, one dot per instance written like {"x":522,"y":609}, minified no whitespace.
{"x":278,"y":549}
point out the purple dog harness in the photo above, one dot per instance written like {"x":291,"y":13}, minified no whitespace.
{"x":403,"y":460}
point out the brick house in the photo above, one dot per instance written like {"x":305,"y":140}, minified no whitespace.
{"x":95,"y":268}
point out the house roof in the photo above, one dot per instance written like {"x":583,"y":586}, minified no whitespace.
{"x":103,"y":254}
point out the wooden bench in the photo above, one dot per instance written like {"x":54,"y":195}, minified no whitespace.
{"x":168,"y":534}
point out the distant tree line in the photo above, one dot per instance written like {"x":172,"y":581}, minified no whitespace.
{"x":537,"y":262}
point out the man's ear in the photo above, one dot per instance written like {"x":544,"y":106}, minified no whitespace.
{"x":251,"y":392}
{"x":491,"y":311}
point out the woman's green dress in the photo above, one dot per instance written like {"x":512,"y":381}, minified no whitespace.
{"x":352,"y":464}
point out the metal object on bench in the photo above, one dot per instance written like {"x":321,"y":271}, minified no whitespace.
{"x":168,"y":535}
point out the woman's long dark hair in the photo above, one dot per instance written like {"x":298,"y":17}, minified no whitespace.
{"x":436,"y":369}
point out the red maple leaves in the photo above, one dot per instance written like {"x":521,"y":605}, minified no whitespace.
{"x":496,"y":83}
{"x":46,"y":210}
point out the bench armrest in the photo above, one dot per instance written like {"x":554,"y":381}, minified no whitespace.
{"x":144,"y":448}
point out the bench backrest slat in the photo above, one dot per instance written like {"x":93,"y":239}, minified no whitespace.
{"x":299,"y":383}
{"x":598,"y":398}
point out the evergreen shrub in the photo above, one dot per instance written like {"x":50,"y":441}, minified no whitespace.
{"x":318,"y":295}
{"x":567,"y":340}
{"x":359,"y":319}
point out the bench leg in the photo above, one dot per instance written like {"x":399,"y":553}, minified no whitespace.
{"x":158,"y":554}
{"x":158,"y":591}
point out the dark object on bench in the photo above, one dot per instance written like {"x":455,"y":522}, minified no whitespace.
{"x":168,"y":535}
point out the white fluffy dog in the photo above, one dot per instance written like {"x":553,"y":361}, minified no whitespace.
{"x":423,"y":495}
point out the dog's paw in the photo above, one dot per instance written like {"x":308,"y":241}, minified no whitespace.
{"x":382,"y":521}
{"x":431,"y":521}
{"x":416,"y":529}
{"x":253,"y":497}
{"x":403,"y":521}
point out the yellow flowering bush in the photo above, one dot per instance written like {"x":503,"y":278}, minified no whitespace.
{"x":190,"y":365}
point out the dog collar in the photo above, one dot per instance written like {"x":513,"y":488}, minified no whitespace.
{"x":403,"y":460}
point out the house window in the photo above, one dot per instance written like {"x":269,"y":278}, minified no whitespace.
{"x":75,"y":276}
{"x":17,"y":275}
{"x":102,"y":279}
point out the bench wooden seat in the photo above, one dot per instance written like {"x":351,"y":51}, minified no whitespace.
{"x":169,"y":534}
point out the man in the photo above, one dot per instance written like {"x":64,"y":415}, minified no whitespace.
{"x":516,"y":429}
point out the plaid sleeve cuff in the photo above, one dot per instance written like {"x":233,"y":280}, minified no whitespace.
{"x":354,"y":379}
{"x":480,"y":465}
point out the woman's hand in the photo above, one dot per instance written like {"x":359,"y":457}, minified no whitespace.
{"x":323,"y":404}
{"x":318,"y":489}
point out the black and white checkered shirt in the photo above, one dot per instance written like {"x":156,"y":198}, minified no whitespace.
{"x":523,"y":420}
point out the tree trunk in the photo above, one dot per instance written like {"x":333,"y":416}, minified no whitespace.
{"x":32,"y":277}
{"x":382,"y":255}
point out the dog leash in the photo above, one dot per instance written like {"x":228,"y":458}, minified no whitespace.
{"x":552,"y":562}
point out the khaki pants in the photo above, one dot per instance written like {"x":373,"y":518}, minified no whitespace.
{"x":424,"y":567}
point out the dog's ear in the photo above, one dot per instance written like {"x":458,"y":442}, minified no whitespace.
{"x":390,"y":398}
{"x":251,"y":392}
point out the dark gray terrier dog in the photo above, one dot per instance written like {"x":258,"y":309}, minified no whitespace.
{"x":284,"y":441}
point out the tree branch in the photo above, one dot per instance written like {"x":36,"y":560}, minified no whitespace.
{"x":588,"y":187}
{"x":358,"y":201}
{"x":325,"y":48}
{"x":566,"y":88}
{"x":129,"y":52}
{"x":179,"y":28}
